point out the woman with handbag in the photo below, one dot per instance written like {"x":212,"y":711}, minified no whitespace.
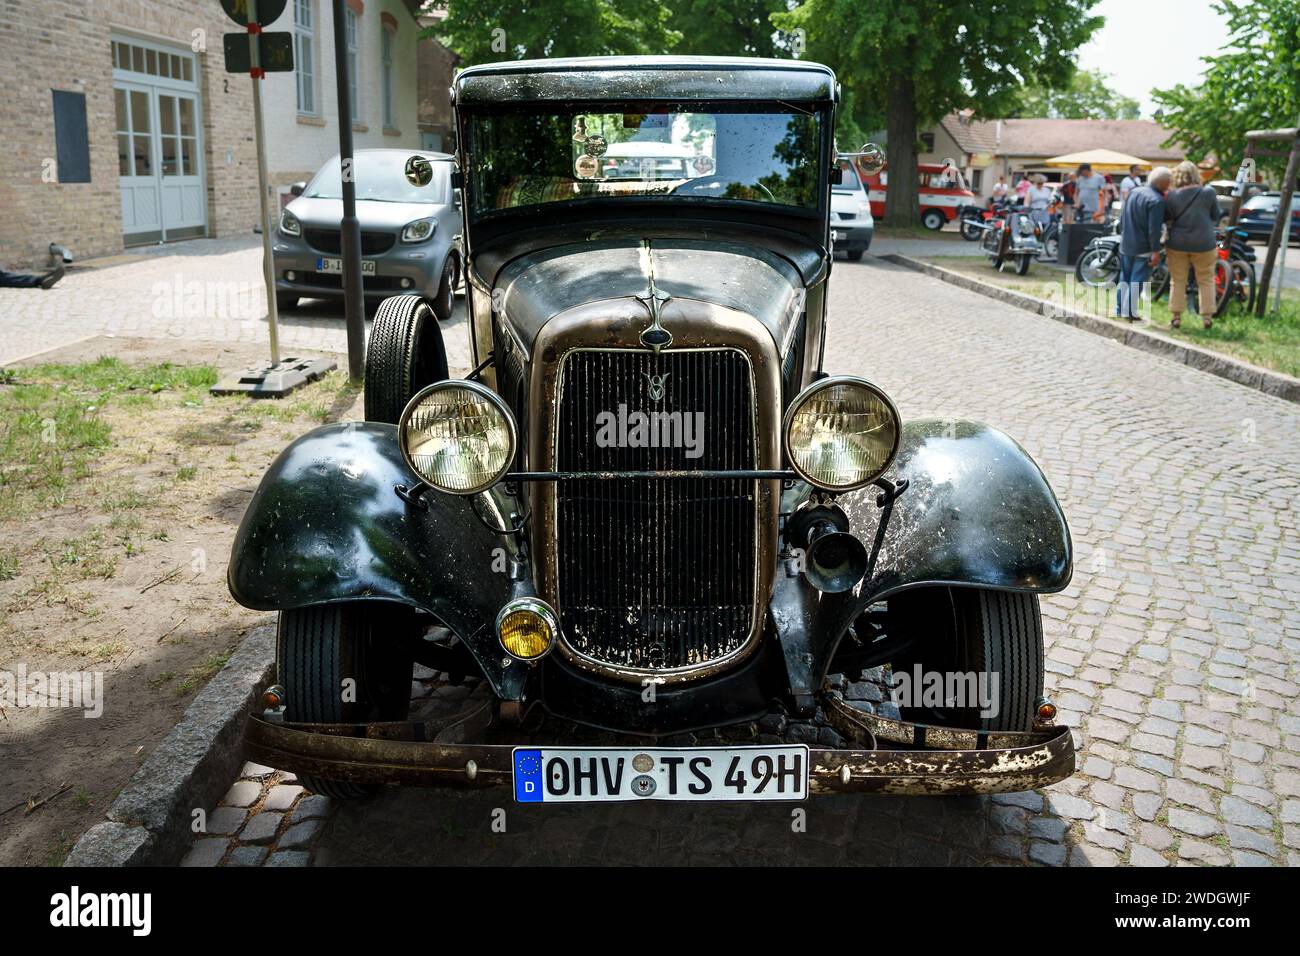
{"x":1192,"y":213}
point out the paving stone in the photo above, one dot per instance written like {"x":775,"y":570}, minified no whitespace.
{"x":1072,"y":808}
{"x":1238,"y":811}
{"x":1134,"y":779}
{"x":1141,"y":855}
{"x":242,"y":794}
{"x":1203,"y":853}
{"x":206,"y":852}
{"x":1049,"y":854}
{"x":1156,"y":837}
{"x":1099,"y":768}
{"x":246,"y":856}
{"x":225,"y":820}
{"x":1197,"y":824}
{"x":289,"y":858}
{"x":1051,"y":829}
{"x":261,"y":828}
{"x":251,"y":769}
{"x":1147,"y":805}
{"x":1085,"y":855}
{"x":1028,"y":799}
{"x":310,"y":807}
{"x":1242,"y":838}
{"x":301,"y":835}
{"x":281,"y":797}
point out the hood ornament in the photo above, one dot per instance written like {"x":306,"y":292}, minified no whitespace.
{"x":655,"y":337}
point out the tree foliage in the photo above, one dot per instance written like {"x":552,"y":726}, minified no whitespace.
{"x":908,"y":64}
{"x":1085,"y":96}
{"x":1252,"y":83}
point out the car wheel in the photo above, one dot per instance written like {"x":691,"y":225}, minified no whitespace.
{"x":997,"y":635}
{"x":345,"y":663}
{"x":855,"y":255}
{"x":445,"y":300}
{"x":933,"y":219}
{"x":405,"y":353}
{"x":284,"y":301}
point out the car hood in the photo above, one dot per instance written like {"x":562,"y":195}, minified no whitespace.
{"x":734,"y":275}
{"x":327,"y":213}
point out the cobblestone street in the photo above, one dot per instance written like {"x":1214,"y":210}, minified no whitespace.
{"x":1173,"y":654}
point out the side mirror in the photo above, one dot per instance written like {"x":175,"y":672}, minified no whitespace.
{"x":419,"y":171}
{"x":837,"y":175}
{"x":871,"y":159}
{"x":297,"y":188}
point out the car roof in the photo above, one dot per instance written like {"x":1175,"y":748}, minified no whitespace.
{"x":640,"y":78}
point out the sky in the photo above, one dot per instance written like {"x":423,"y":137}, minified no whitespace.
{"x":1145,"y":46}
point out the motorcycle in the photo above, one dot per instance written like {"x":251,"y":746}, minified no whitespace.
{"x":972,"y":219}
{"x":1012,"y":236}
{"x":1099,"y":264}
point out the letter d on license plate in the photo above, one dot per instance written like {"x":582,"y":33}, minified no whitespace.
{"x":570,"y":775}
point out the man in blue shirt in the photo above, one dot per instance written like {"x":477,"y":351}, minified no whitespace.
{"x":1141,"y":224}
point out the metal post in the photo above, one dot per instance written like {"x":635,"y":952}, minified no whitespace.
{"x":1281,"y":252}
{"x":349,"y":227}
{"x":268,"y":263}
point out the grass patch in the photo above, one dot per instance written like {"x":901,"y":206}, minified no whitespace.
{"x":200,"y":674}
{"x":51,"y":425}
{"x":1272,"y":342}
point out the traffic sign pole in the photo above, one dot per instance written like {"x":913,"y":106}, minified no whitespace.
{"x":268,"y":263}
{"x":349,"y":226}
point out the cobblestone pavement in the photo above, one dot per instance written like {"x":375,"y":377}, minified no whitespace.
{"x":1173,"y":653}
{"x":204,"y":290}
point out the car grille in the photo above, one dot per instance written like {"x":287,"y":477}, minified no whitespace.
{"x":656,"y":574}
{"x":329,"y":240}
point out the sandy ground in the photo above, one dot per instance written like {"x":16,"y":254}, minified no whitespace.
{"x":144,"y":603}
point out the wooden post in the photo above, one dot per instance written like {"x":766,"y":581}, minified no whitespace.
{"x":1282,"y":225}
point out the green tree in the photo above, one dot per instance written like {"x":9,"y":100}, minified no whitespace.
{"x":1085,"y":96}
{"x":1252,"y":83}
{"x":726,"y":27}
{"x":908,"y":64}
{"x":485,"y":31}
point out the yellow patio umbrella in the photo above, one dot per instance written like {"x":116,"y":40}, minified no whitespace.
{"x":1101,"y":160}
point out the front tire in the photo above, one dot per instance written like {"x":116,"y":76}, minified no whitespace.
{"x":405,"y":353}
{"x":284,"y":301}
{"x":445,"y":301}
{"x":1097,"y":267}
{"x":1022,"y":265}
{"x":933,"y":219}
{"x":345,"y":663}
{"x":854,"y":255}
{"x":958,"y":630}
{"x":970,"y":230}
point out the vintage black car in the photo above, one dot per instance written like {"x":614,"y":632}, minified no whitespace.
{"x":648,"y":525}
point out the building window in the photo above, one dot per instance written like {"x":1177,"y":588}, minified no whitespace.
{"x":386,"y":58}
{"x":977,"y":180}
{"x":351,"y":29}
{"x":304,"y":49}
{"x":928,"y":140}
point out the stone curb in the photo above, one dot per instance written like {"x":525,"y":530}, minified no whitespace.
{"x":1252,"y":376}
{"x":149,"y":822}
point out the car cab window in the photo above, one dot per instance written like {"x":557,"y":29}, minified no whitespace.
{"x":850,"y":181}
{"x":682,"y":153}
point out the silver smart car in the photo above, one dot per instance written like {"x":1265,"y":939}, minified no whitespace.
{"x":409,"y":234}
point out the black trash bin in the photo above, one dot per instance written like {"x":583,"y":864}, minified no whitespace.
{"x":1075,"y":237}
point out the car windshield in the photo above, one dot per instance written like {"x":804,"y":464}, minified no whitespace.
{"x":849,"y":180}
{"x":380,"y":177}
{"x":768,"y":154}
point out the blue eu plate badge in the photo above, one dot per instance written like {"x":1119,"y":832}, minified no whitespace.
{"x":528,"y":776}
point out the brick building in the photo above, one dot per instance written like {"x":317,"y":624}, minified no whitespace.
{"x":123,"y":128}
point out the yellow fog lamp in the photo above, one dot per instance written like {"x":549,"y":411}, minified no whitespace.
{"x":527,"y":628}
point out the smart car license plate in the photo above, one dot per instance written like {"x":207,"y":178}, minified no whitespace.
{"x":836,"y":235}
{"x":570,"y":775}
{"x":335,"y":266}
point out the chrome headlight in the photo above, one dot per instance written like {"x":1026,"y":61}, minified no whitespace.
{"x":841,"y":433}
{"x":458,"y":436}
{"x":419,"y":230}
{"x":289,"y":224}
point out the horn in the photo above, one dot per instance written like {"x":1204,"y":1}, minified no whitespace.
{"x":834,"y":559}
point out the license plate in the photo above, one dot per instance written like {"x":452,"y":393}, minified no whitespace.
{"x":569,"y":775}
{"x":335,"y":266}
{"x":836,"y":235}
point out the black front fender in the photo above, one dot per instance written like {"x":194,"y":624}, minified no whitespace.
{"x":326,"y":526}
{"x":976,"y":512}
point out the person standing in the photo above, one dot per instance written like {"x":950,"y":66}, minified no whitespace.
{"x":1037,"y":198}
{"x":1089,"y":186}
{"x":1141,"y":223}
{"x":1130,"y":182}
{"x":1193,"y":213}
{"x":1069,"y":198}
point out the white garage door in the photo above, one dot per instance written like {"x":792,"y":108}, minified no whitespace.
{"x":159,"y":141}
